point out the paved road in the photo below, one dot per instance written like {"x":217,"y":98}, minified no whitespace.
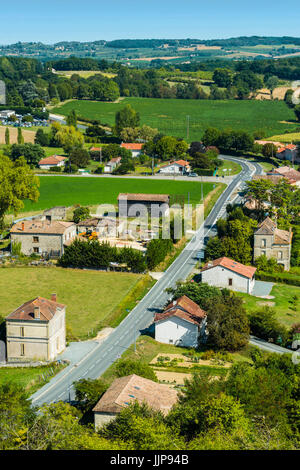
{"x":103,"y":355}
{"x":270,"y":347}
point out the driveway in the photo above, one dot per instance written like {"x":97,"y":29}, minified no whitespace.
{"x":262,"y":288}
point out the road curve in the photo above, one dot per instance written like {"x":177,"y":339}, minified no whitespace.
{"x":103,"y":355}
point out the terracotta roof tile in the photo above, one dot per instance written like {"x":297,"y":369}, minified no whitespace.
{"x":183,"y":308}
{"x":41,"y":226}
{"x":246,"y":271}
{"x":48,"y":309}
{"x":132,"y":146}
{"x":52,"y":160}
{"x":126,"y":390}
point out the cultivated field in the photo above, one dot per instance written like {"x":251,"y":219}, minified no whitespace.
{"x":170,"y":116}
{"x":84,"y":73}
{"x":90,"y":299}
{"x":286,"y":138}
{"x":13,"y":134}
{"x":67,"y":191}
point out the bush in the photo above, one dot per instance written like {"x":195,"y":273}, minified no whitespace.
{"x":128,"y":367}
{"x":287,"y":278}
{"x":264,"y":325}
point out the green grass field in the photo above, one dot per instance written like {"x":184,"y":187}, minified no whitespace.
{"x":282,"y":294}
{"x":89,"y":296}
{"x":29,"y":378}
{"x":170,"y":115}
{"x":67,"y":191}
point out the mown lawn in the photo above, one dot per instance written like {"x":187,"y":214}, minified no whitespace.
{"x":29,"y":378}
{"x":67,"y":190}
{"x":92,"y":298}
{"x":282,"y":295}
{"x":170,"y":115}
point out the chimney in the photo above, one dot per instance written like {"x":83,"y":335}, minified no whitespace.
{"x":23,"y":226}
{"x":36,"y":313}
{"x":53,"y":297}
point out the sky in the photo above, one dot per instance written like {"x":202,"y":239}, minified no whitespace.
{"x":91,"y":20}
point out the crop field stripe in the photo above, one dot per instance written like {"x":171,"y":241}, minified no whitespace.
{"x":170,"y":115}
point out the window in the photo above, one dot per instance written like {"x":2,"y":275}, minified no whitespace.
{"x":22,"y":349}
{"x":36,"y":249}
{"x":263,"y":242}
{"x":170,"y":341}
{"x":230,"y":282}
{"x":263,"y":252}
{"x":22,"y":331}
{"x":279,"y":254}
{"x":35,"y":239}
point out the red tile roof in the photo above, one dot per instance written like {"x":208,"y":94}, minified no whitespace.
{"x":48,"y":309}
{"x":41,"y":226}
{"x":95,"y":149}
{"x":183,"y":308}
{"x":246,"y":271}
{"x":132,"y":146}
{"x":52,"y":160}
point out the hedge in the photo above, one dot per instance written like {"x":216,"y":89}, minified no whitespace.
{"x":287,"y":278}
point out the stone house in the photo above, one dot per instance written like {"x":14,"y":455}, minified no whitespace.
{"x":43,"y":237}
{"x":227,"y":273}
{"x":138,"y":204}
{"x":182,"y":323}
{"x":36,"y":331}
{"x":55,"y":213}
{"x":273,"y":243}
{"x":132,"y":388}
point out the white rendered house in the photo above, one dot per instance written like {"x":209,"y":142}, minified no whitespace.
{"x":182,"y":323}
{"x":227,"y":273}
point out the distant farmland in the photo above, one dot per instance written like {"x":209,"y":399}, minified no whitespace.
{"x":171,"y":116}
{"x":67,"y":191}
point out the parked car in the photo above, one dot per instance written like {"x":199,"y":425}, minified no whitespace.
{"x":192,"y":174}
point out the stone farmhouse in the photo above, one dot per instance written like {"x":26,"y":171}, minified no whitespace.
{"x":43,"y":237}
{"x":132,"y":388}
{"x":182,"y":323}
{"x":227,"y":273}
{"x":36,"y":331}
{"x":289,"y":152}
{"x":134,"y":205}
{"x":273,"y":243}
{"x":55,"y":213}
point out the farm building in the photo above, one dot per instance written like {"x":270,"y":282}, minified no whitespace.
{"x":132,"y":388}
{"x":42,"y":236}
{"x":135,"y":204}
{"x":182,"y":323}
{"x":36,"y":330}
{"x":227,"y":273}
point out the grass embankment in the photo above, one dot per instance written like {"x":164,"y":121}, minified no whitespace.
{"x":281,"y":303}
{"x":93,"y":299}
{"x":147,"y":349}
{"x":29,"y":378}
{"x":67,"y":191}
{"x":169,"y":115}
